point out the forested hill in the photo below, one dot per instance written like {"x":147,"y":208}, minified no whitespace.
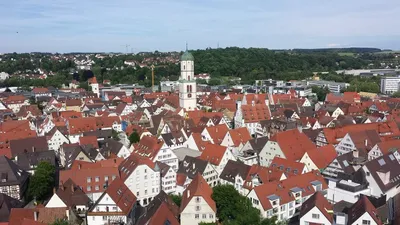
{"x":255,"y":63}
{"x":338,"y":50}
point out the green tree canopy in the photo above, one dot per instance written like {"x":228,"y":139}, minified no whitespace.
{"x":235,"y":209}
{"x":134,"y":137}
{"x":177,"y":199}
{"x":42,"y":182}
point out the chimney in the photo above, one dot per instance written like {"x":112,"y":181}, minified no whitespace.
{"x":79,"y":166}
{"x":72,"y":188}
{"x":194,"y":166}
{"x":188,"y":193}
{"x":33,"y":148}
{"x":35,"y":215}
{"x":366,"y":142}
{"x":54,"y":190}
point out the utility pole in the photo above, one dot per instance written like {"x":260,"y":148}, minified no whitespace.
{"x":152,"y":78}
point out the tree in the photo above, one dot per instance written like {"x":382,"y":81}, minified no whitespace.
{"x":134,"y":137}
{"x":396,"y":95}
{"x":233,"y":208}
{"x":320,"y":92}
{"x":177,"y":199}
{"x":114,"y":135}
{"x":42,"y":182}
{"x":60,"y":222}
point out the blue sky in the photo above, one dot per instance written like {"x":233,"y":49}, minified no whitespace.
{"x":165,"y":25}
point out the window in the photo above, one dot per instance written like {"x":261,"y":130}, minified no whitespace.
{"x":315,"y":216}
{"x":137,"y":194}
{"x":113,"y":177}
{"x":197,"y":208}
{"x":106,"y":178}
{"x":198,"y":199}
{"x":145,"y":192}
{"x":283,"y":207}
{"x":97,"y":187}
{"x":145,"y":170}
{"x":204,"y":216}
{"x":88,"y":188}
{"x":366,"y":222}
{"x":196,"y":216}
{"x":211,"y":216}
{"x":104,"y":217}
{"x":89,"y":179}
{"x":97,"y":179}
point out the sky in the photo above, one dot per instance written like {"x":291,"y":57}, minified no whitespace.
{"x":166,"y":25}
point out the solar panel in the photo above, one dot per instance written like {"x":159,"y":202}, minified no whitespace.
{"x":381,"y":162}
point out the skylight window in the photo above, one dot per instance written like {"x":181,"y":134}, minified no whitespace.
{"x":391,"y":157}
{"x":381,"y":162}
{"x":345,"y":163}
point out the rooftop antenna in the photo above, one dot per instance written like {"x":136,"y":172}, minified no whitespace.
{"x":186,"y":46}
{"x":218,"y":44}
{"x":152,"y":78}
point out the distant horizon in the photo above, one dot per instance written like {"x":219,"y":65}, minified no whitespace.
{"x":270,"y":49}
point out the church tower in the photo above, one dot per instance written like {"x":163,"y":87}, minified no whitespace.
{"x":187,"y":83}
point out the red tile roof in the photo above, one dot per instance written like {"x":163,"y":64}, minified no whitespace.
{"x":263,"y":174}
{"x":89,"y":140}
{"x":289,"y":167}
{"x":317,"y":200}
{"x":81,"y":171}
{"x":213,"y":153}
{"x":133,"y":161}
{"x":80,"y":125}
{"x":389,"y":146}
{"x":282,"y":188}
{"x":293,"y":143}
{"x":322,"y":156}
{"x":148,"y":147}
{"x":217,"y":132}
{"x":240,"y":135}
{"x":14,"y":99}
{"x":256,"y":113}
{"x":45,"y":215}
{"x":121,"y":195}
{"x":198,"y":188}
{"x":363,"y":205}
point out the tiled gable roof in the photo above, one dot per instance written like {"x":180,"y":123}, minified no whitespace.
{"x":198,"y":188}
{"x":287,"y":166}
{"x":317,"y":200}
{"x":80,"y":125}
{"x":363,"y":205}
{"x":148,"y":146}
{"x":240,"y":136}
{"x":283,"y":189}
{"x":233,"y":169}
{"x":322,"y":156}
{"x":121,"y":195}
{"x":132,"y":162}
{"x":255,"y":113}
{"x":213,"y":153}
{"x":292,"y":143}
{"x":217,"y":132}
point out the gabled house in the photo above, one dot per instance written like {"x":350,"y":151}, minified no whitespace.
{"x":14,"y":180}
{"x":196,"y":142}
{"x":316,"y":210}
{"x":69,"y":195}
{"x":250,"y":115}
{"x":236,"y":139}
{"x":78,"y":126}
{"x":358,"y":142}
{"x":250,"y":151}
{"x":288,"y":167}
{"x":161,"y":210}
{"x":215,"y":134}
{"x":188,"y":170}
{"x":92,"y":178}
{"x":141,"y":176}
{"x":197,"y":205}
{"x":363,"y":212}
{"x":383,"y":148}
{"x":31,"y":144}
{"x":341,"y":164}
{"x":217,"y":155}
{"x":116,"y":205}
{"x":289,"y":144}
{"x":57,"y":137}
{"x":112,"y":148}
{"x":6,"y":204}
{"x":319,"y":158}
{"x":283,"y":198}
{"x":168,"y":178}
{"x":155,"y":150}
{"x":28,"y":161}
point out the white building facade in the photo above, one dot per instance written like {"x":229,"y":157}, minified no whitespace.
{"x":187,"y":83}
